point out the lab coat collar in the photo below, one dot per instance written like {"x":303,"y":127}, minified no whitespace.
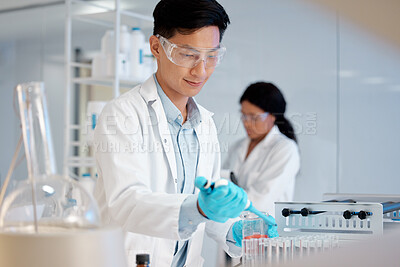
{"x":244,"y":146}
{"x":172,"y":112}
{"x":270,"y":136}
{"x":148,"y":91}
{"x":264,"y":143}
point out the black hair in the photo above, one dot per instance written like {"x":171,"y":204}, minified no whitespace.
{"x":270,"y":99}
{"x":186,"y":16}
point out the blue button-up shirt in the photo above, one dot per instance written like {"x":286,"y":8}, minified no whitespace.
{"x":186,"y":147}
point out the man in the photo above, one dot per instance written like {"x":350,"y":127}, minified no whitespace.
{"x":153,"y":141}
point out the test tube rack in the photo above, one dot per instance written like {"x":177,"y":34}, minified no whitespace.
{"x":349,"y":221}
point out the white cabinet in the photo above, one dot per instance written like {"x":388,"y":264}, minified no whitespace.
{"x":78,"y":157}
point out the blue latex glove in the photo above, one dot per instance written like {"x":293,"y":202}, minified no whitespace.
{"x":237,"y":231}
{"x":219,"y":203}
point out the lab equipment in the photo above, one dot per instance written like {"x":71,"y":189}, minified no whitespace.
{"x":99,"y":65}
{"x":149,"y":61}
{"x":280,"y":250}
{"x":268,"y":219}
{"x":206,"y":188}
{"x":254,"y":118}
{"x":40,"y":204}
{"x":108,"y":41}
{"x":256,"y":229}
{"x":93,"y":111}
{"x":329,"y":217}
{"x":253,"y":226}
{"x":103,"y":64}
{"x":87,"y":182}
{"x":50,"y":220}
{"x":137,"y":54}
{"x":390,"y":203}
{"x":178,"y":54}
{"x":220,"y":200}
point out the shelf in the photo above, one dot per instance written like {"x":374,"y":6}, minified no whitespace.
{"x":109,"y":82}
{"x":111,"y":15}
{"x":107,"y":19}
{"x":81,"y":65}
{"x":81,"y":162}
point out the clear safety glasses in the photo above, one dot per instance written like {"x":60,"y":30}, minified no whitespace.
{"x":254,"y":118}
{"x":190,"y":57}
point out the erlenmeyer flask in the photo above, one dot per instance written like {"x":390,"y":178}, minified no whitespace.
{"x":46,"y":202}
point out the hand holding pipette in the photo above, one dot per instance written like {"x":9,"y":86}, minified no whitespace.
{"x":221,"y":200}
{"x":216,"y":196}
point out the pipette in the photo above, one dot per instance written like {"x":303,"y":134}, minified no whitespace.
{"x":267,"y":219}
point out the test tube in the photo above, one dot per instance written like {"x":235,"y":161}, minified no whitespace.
{"x":254,"y":234}
{"x":285,"y":249}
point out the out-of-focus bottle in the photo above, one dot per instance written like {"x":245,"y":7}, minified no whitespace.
{"x":143,"y":260}
{"x":87,"y":182}
{"x":93,"y":111}
{"x":149,"y":62}
{"x":136,"y":54}
{"x":108,"y":41}
{"x":108,"y":57}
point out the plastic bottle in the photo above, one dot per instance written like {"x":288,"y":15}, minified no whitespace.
{"x":93,"y":111}
{"x":136,"y":54}
{"x":87,"y":182}
{"x":108,"y":41}
{"x":149,"y":62}
{"x":125,"y":40}
{"x":142,"y":260}
{"x":108,"y":51}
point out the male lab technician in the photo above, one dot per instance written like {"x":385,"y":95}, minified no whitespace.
{"x":152,"y":142}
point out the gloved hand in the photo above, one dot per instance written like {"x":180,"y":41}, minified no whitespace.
{"x":221,"y":202}
{"x":237,"y":232}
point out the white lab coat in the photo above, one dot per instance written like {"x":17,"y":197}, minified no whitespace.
{"x":137,"y":185}
{"x":269,"y":172}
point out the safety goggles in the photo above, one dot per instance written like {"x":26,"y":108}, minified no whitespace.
{"x":190,"y":57}
{"x":254,"y":118}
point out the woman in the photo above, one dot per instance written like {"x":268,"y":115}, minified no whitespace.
{"x":266,"y":162}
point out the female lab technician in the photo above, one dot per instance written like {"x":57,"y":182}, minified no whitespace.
{"x":152,"y":142}
{"x":266,"y":162}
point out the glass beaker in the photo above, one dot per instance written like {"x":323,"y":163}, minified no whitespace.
{"x":253,"y":226}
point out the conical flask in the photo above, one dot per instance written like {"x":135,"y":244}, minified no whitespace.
{"x":45,"y":202}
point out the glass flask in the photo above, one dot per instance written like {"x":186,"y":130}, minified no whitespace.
{"x":61,"y":204}
{"x":46,"y":202}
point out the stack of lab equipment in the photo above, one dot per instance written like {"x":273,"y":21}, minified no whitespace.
{"x":50,"y":219}
{"x":258,"y":249}
{"x":310,"y":228}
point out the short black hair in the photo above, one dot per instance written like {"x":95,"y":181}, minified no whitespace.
{"x":186,"y":16}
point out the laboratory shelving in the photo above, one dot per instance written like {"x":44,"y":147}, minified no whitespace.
{"x":110,"y":15}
